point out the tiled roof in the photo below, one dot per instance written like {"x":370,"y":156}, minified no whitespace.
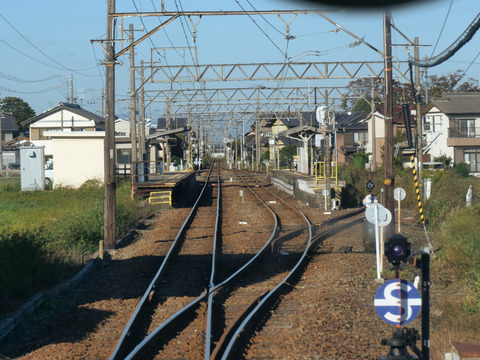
{"x":75,"y":108}
{"x":8,"y":122}
{"x":459,"y":103}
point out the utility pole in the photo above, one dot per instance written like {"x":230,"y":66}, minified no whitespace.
{"x":142,"y":147}
{"x":419,"y":147}
{"x":166,"y":148}
{"x":133,"y":117}
{"x":103,"y":103}
{"x":236,"y":142}
{"x":109,"y":147}
{"x":72,"y":100}
{"x":373,"y":165}
{"x":1,"y":137}
{"x":328,"y":168}
{"x":257,"y":130}
{"x":389,"y":181}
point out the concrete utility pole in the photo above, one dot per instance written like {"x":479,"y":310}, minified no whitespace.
{"x":141,"y":123}
{"x":1,"y":137}
{"x":72,"y":99}
{"x":328,"y":168}
{"x":419,"y":147}
{"x":133,"y":117}
{"x":109,"y":149}
{"x":257,"y":132}
{"x":389,"y":181}
{"x":373,"y":165}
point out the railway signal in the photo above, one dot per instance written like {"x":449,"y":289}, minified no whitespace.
{"x":398,"y":302}
{"x":370,"y":185}
{"x":397,"y":249}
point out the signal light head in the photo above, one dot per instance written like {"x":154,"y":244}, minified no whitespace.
{"x":397,"y":249}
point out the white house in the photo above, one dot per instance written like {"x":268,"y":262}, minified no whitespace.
{"x":376,"y":128}
{"x":451,"y":125}
{"x":78,"y":157}
{"x":62,"y":118}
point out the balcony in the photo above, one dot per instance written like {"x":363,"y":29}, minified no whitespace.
{"x":463,"y":136}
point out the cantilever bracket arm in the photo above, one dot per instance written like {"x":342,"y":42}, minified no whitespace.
{"x":146,"y":36}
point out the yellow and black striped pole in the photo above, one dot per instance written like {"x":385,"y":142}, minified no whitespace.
{"x":417,"y":191}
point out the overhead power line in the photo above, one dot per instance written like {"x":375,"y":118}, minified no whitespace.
{"x":452,"y":49}
{"x":14,"y":78}
{"x":28,"y":92}
{"x":443,"y":27}
{"x":63,"y":67}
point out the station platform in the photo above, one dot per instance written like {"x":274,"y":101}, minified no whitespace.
{"x":308,"y":188}
{"x":163,"y":188}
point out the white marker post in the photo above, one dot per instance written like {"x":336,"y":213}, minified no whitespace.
{"x":399,"y":194}
{"x":380,"y":216}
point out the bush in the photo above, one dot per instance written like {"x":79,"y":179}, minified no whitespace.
{"x":462,"y":169}
{"x":448,"y":193}
{"x":24,"y":264}
{"x":81,"y":228}
{"x":458,"y":240}
{"x":360,"y":159}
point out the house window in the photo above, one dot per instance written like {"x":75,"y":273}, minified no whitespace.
{"x":360,"y":136}
{"x":124,"y":156}
{"x":436,"y":123}
{"x":472,"y":158}
{"x":433,"y":123}
{"x":466,"y":128}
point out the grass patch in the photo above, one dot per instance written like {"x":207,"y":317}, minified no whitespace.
{"x":46,"y":236}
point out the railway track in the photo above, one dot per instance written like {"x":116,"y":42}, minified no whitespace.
{"x":226,"y":299}
{"x":198,"y":253}
{"x":218,"y":287}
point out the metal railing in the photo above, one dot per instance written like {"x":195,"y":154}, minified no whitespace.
{"x":5,"y":173}
{"x":470,"y":132}
{"x":320,"y":172}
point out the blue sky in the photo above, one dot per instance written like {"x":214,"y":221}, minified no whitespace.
{"x":46,"y":42}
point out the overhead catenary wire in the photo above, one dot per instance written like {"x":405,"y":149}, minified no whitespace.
{"x":260,"y":28}
{"x":463,"y":39}
{"x":263,"y":17}
{"x":443,"y":27}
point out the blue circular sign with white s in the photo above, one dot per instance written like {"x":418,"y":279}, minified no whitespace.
{"x":397,"y":302}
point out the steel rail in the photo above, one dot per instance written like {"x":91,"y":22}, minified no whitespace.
{"x":230,"y":350}
{"x":139,"y":351}
{"x":119,"y":349}
{"x":208,"y":342}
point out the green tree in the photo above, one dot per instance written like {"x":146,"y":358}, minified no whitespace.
{"x":286,"y":155}
{"x":438,"y":85}
{"x":20,"y":109}
{"x":358,"y":96}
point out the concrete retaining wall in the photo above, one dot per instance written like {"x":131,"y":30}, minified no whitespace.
{"x":299,"y":187}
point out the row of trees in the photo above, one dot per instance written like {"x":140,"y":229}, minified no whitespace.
{"x":403,"y":93}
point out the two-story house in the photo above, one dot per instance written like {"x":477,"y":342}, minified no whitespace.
{"x":351,"y":130}
{"x":451,"y":125}
{"x":62,"y":118}
{"x":9,"y":128}
{"x":376,"y":133}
